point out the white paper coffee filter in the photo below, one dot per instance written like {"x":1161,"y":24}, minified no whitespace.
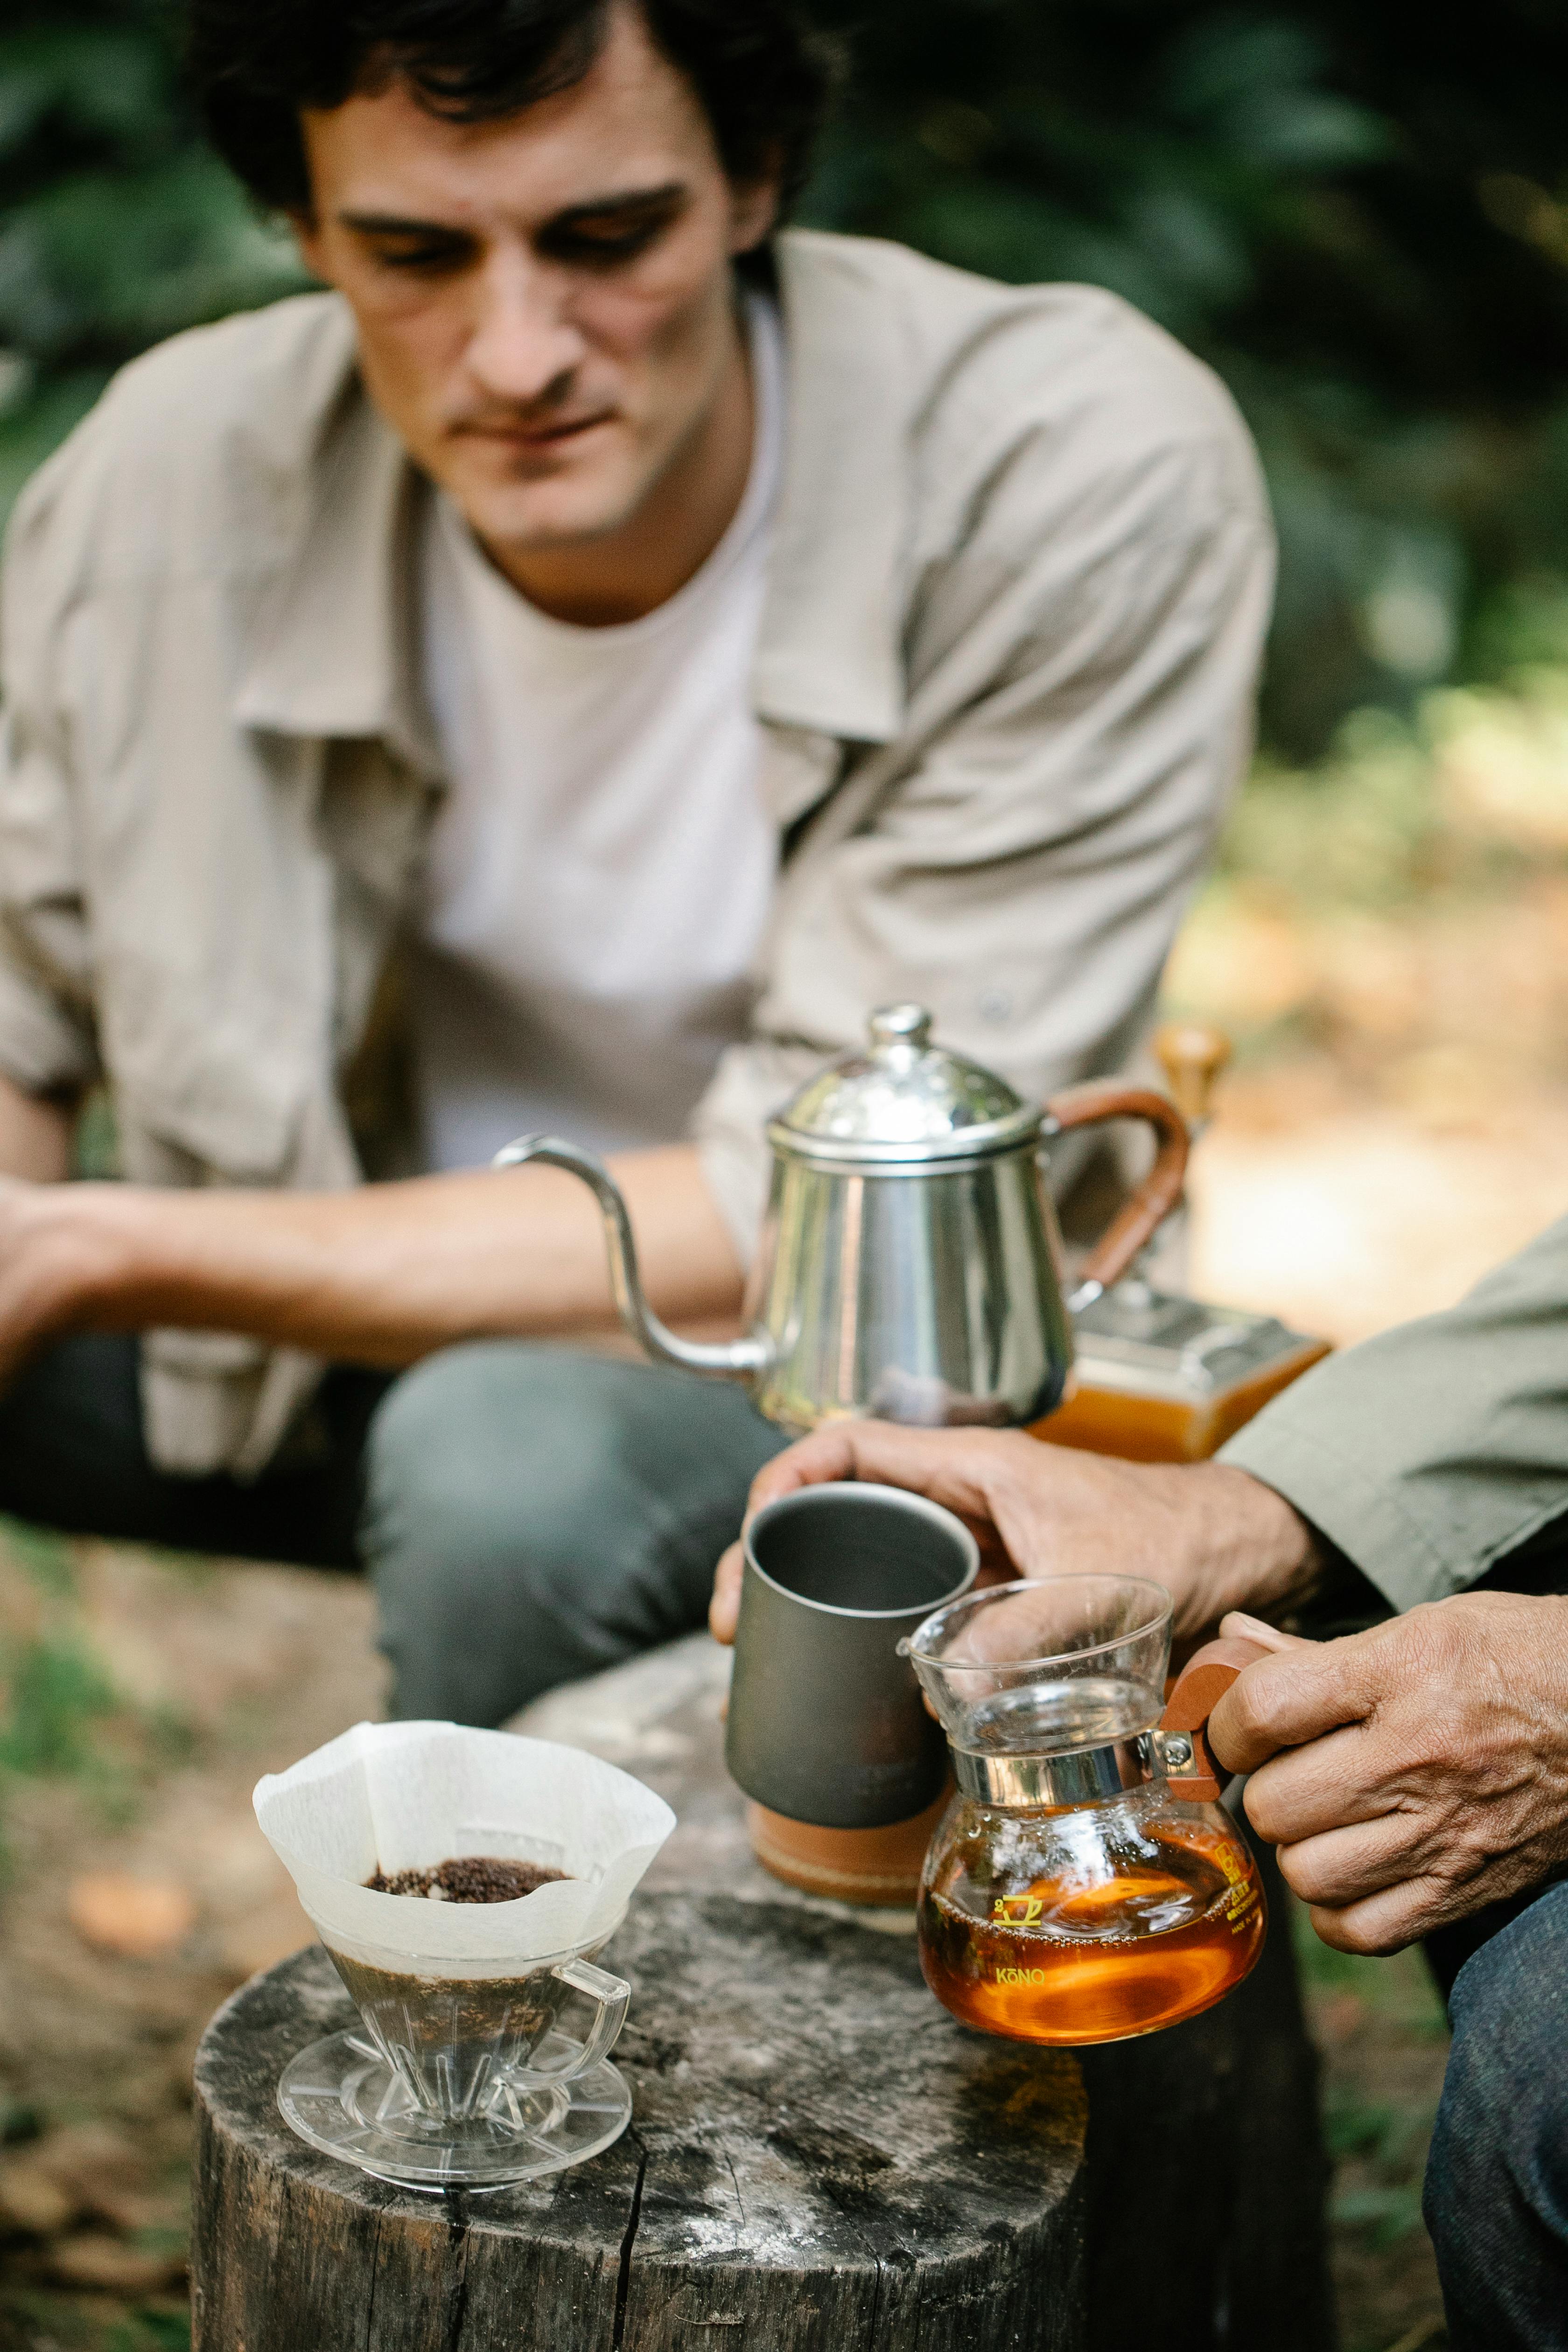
{"x":409,"y":1796}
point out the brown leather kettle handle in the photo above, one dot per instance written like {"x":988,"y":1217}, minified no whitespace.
{"x":1158,"y":1194}
{"x":1195,"y":1693}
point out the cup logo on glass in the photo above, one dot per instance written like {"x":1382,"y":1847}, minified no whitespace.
{"x":1085,"y":1883}
{"x":463,"y":1883}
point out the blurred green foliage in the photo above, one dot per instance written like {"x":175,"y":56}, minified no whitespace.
{"x":61,"y":1713}
{"x":1377,"y":2143}
{"x":53,"y":1689}
{"x":150,"y":2331}
{"x":1358,"y":214}
{"x":1462,"y":798}
{"x":116,"y":226}
{"x":43,"y":2321}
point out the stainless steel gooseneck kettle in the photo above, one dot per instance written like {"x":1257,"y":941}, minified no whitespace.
{"x":907,"y":1264}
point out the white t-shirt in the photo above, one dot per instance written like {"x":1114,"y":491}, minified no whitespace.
{"x":601,"y":871}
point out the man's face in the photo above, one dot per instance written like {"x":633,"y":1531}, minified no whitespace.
{"x":545,"y":301}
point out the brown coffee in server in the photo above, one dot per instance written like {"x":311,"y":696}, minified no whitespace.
{"x":1114,"y":1955}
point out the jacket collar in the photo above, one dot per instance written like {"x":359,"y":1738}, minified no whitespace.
{"x":335,"y":650}
{"x":829,"y":654}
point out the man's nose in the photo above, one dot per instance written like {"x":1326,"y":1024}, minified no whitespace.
{"x":522,"y":341}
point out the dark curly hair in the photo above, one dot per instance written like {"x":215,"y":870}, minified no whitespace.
{"x":763,"y":75}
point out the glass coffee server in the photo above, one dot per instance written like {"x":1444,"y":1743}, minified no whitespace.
{"x":1085,"y":1883}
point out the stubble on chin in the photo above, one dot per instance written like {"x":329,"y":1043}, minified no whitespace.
{"x":549,"y":509}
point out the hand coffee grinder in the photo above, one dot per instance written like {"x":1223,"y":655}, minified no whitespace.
{"x":1161,"y":1376}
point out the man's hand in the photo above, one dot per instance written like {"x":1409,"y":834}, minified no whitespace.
{"x":1215,"y":1537}
{"x":55,"y":1260}
{"x":40,"y":1265}
{"x":1411,"y":1774}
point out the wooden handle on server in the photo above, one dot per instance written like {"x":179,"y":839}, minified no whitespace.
{"x":1196,"y":1692}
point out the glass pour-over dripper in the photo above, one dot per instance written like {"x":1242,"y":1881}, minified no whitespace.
{"x":1085,"y":1883}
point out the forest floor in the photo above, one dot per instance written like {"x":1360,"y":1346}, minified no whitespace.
{"x":1396,"y":1121}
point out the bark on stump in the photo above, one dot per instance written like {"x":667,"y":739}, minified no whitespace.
{"x":819,"y":2160}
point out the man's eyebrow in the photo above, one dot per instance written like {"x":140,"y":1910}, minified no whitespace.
{"x":623,"y":200}
{"x":395,"y":225}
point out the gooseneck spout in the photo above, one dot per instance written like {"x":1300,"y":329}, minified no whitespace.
{"x":734,"y":1359}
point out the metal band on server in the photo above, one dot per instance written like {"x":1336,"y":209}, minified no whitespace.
{"x":1080,"y":1778}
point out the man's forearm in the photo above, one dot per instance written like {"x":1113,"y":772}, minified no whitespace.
{"x":381,"y":1276}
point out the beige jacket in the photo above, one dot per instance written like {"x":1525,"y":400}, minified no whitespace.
{"x":1019,"y":582}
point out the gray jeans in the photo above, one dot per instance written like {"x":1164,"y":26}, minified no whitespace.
{"x":534,"y":1514}
{"x":527,"y":1513}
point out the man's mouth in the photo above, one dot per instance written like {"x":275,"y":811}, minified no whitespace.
{"x":526,"y":439}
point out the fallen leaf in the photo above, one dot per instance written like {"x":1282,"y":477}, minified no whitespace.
{"x":95,"y":2167}
{"x":136,"y":1919}
{"x":32,"y":2205}
{"x":110,"y":2267}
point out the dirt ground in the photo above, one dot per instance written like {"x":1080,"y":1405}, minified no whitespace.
{"x":148,"y":1694}
{"x":1371,"y":1157}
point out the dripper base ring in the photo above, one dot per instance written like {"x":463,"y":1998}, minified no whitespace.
{"x":340,"y":2097}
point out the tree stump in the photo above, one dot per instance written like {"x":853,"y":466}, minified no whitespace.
{"x":819,"y":2155}
{"x":820,"y":2160}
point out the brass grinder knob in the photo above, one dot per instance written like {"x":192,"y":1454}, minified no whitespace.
{"x":1192,"y":1056}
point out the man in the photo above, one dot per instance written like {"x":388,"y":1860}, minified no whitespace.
{"x":563,"y":677}
{"x":1414,"y":1775}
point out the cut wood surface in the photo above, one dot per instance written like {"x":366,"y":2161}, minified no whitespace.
{"x":820,"y":2158}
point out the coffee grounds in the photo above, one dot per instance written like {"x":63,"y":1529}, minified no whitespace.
{"x":471,"y":1878}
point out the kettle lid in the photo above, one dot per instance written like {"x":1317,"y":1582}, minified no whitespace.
{"x":903,"y":1101}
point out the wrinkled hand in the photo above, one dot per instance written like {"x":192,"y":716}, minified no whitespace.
{"x":1215,"y":1537}
{"x":1411,"y":1774}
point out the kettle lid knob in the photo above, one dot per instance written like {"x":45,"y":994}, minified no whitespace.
{"x":901,"y":1025}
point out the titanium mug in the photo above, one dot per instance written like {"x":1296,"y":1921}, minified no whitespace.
{"x":827,"y":1723}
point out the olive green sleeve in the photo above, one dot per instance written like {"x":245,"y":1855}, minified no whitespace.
{"x":1428,"y":1453}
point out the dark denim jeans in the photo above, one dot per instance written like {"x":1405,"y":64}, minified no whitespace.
{"x":1497,"y":2179}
